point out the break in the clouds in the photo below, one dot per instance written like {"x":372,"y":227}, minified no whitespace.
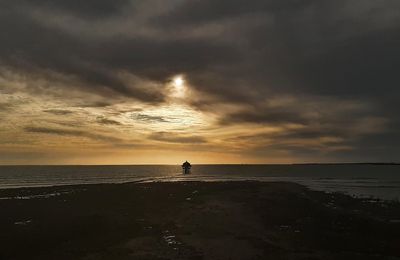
{"x":259,"y":81}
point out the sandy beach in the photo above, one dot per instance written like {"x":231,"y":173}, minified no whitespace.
{"x":195,"y":220}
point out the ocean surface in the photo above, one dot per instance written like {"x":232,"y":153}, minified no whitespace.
{"x":361,"y":180}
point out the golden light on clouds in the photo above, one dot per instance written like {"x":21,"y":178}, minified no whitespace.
{"x":83,"y":128}
{"x":168,"y":117}
{"x":78,"y":126}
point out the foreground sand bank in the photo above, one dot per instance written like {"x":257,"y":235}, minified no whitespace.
{"x":194,"y":220}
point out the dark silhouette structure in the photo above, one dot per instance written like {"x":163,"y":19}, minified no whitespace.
{"x":186,"y":166}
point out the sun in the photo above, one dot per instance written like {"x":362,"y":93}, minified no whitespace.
{"x":178,"y":81}
{"x":178,"y":87}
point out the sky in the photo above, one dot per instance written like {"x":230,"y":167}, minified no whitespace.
{"x":227,"y":81}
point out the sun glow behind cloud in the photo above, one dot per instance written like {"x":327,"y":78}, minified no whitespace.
{"x":178,"y":87}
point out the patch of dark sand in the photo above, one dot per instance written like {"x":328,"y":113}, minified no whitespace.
{"x":195,"y":220}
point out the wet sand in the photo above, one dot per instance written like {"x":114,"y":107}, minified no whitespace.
{"x":195,"y":220}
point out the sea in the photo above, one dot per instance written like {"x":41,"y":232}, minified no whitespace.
{"x":374,"y":181}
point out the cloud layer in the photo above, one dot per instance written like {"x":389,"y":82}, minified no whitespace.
{"x":267,"y":81}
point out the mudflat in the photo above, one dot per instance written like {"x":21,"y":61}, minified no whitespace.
{"x":195,"y":220}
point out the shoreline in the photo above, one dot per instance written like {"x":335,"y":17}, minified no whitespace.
{"x":176,"y":179}
{"x":365,"y":181}
{"x":195,"y":220}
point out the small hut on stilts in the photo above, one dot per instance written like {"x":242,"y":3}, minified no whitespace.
{"x":186,"y":166}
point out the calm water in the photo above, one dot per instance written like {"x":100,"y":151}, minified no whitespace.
{"x":381,"y":181}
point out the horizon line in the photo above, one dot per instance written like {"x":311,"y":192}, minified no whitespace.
{"x":260,"y":164}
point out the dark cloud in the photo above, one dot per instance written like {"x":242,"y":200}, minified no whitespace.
{"x":303,"y":46}
{"x":71,"y":132}
{"x":176,"y":138}
{"x":199,"y":12}
{"x":97,"y":61}
{"x":106,"y":121}
{"x":4,"y":106}
{"x":149,"y":118}
{"x":58,"y":112}
{"x":45,"y":130}
{"x":95,"y":104}
{"x":74,"y":123}
{"x":272,"y":117}
{"x":90,"y":8}
{"x":364,"y":65}
{"x":300,"y":46}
